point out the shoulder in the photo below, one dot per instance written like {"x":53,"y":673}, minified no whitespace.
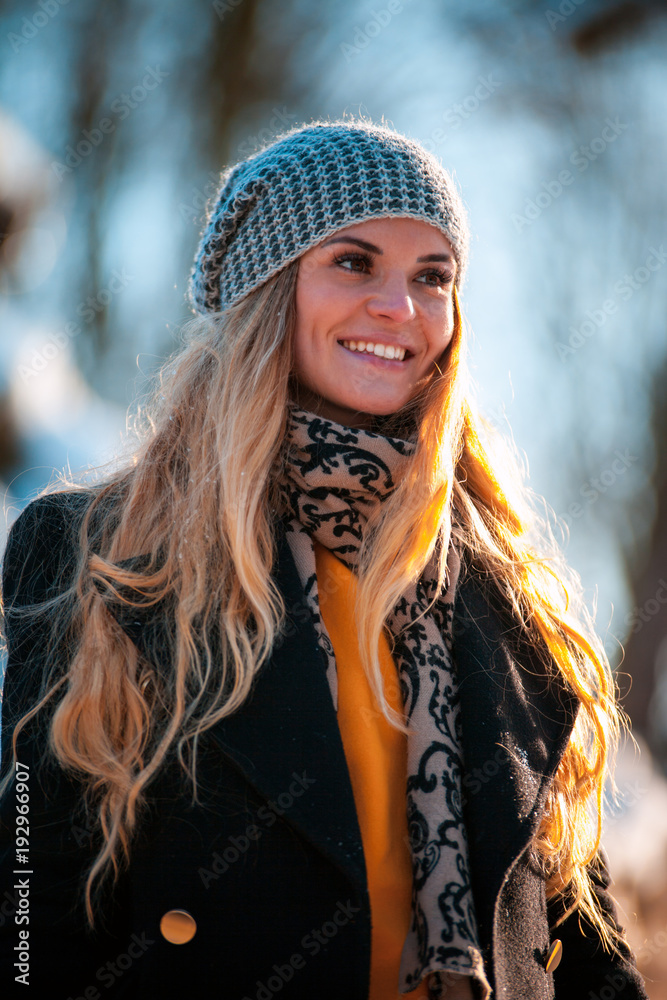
{"x":41,"y":543}
{"x":492,"y":645}
{"x":38,"y":565}
{"x":482,"y":613}
{"x":484,"y":610}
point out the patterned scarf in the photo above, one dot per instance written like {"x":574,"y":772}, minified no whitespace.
{"x":333,"y":477}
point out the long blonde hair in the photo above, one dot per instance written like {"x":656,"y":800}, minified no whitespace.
{"x":197,"y":499}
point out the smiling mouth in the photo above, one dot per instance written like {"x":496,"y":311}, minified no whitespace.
{"x":388,"y":352}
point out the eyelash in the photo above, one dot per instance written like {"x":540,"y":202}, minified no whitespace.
{"x":444,"y":277}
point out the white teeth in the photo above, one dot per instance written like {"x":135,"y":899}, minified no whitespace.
{"x":379,"y":350}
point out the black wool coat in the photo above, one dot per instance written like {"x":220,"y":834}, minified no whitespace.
{"x":268,"y":864}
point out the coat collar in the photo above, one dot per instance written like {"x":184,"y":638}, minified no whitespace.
{"x":516,"y":723}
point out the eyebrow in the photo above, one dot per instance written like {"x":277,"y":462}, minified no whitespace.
{"x":428,"y":258}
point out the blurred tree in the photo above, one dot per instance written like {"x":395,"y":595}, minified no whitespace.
{"x":224,"y":65}
{"x":563,"y":63}
{"x":643,"y":660}
{"x":228,"y":65}
{"x":23,"y":192}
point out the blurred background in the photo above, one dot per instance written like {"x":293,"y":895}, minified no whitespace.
{"x":115,"y":121}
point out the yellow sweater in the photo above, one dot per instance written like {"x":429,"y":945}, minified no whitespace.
{"x":376,"y":757}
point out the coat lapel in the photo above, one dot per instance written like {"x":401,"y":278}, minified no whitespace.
{"x":516,"y":723}
{"x":287,"y":731}
{"x":289,"y":727}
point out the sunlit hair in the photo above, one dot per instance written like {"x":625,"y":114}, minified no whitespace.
{"x":197,"y":500}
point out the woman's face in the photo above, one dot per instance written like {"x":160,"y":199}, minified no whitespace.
{"x":375,"y":312}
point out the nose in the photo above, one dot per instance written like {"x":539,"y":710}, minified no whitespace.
{"x":391,"y":300}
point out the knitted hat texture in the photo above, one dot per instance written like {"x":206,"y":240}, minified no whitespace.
{"x":309,"y":183}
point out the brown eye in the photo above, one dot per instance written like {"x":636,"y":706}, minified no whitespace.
{"x":437,"y":277}
{"x":358,"y":262}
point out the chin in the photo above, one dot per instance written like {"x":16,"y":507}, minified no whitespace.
{"x":379,"y":409}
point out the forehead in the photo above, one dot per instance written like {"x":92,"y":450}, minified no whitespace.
{"x":403,"y":232}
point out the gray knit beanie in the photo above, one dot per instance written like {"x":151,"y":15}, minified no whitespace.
{"x":309,"y":183}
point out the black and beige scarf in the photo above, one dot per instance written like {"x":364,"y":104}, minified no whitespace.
{"x":333,"y":476}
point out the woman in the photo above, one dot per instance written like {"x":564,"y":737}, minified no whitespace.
{"x":299,"y":704}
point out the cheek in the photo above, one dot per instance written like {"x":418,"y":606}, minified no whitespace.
{"x":301,"y":303}
{"x":303,"y":326}
{"x":321,"y":310}
{"x":311,"y":307}
{"x":301,"y":353}
{"x":307,"y":350}
{"x":441,"y":329}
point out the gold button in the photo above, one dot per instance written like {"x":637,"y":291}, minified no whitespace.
{"x":554,"y":955}
{"x":178,"y":926}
